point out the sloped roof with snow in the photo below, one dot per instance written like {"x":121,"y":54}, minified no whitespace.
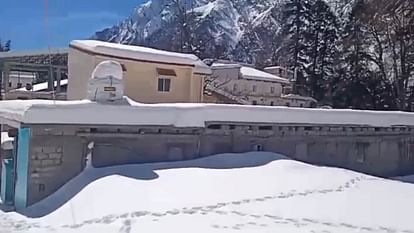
{"x":141,"y":54}
{"x":255,"y":74}
{"x":225,"y":65}
{"x":186,"y":115}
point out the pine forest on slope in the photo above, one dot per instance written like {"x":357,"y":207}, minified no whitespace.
{"x":348,"y":53}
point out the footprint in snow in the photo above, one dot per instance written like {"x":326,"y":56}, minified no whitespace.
{"x":126,"y":228}
{"x":220,"y":212}
{"x":139,"y":213}
{"x":173,"y":212}
{"x":238,"y":213}
{"x":158,"y":214}
{"x":190,"y":211}
{"x":215,"y":226}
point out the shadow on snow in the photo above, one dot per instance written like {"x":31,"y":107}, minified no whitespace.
{"x":144,"y":172}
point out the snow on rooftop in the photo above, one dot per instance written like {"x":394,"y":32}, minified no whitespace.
{"x":142,"y":53}
{"x":6,"y":141}
{"x":187,"y":114}
{"x":225,"y":65}
{"x":252,"y":73}
{"x":22,"y":75}
{"x":247,"y":193}
{"x":43,"y":86}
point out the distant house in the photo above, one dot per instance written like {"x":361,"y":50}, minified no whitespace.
{"x":150,"y":75}
{"x":40,"y":91}
{"x":18,"y":79}
{"x":252,"y":86}
{"x":280,"y":71}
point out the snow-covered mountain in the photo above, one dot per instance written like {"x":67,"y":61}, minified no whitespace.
{"x":223,"y":27}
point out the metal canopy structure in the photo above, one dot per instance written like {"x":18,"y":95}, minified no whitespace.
{"x":50,"y":63}
{"x":58,"y":56}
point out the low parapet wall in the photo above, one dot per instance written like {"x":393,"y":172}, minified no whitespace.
{"x":58,"y":153}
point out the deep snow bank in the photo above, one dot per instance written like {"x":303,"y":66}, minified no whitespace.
{"x":254,"y":192}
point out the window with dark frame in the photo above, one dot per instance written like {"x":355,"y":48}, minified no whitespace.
{"x":164,"y":84}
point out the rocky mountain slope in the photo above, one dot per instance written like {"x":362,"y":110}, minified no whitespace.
{"x":217,"y":28}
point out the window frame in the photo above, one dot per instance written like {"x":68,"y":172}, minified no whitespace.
{"x":163,"y":83}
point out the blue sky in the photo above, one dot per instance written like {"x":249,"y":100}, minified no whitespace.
{"x":23,"y":21}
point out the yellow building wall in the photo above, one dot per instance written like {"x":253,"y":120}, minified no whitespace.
{"x":80,"y":68}
{"x":140,"y":79}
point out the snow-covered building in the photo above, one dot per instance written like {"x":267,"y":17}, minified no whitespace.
{"x":23,"y":69}
{"x":254,"y":86}
{"x":18,"y":79}
{"x":54,"y":141}
{"x":151,"y":76}
{"x":280,"y":71}
{"x":55,"y":138}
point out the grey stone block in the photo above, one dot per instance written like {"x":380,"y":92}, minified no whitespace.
{"x":47,"y":162}
{"x":37,"y":149}
{"x":36,"y":163}
{"x":47,"y":169}
{"x":41,"y":156}
{"x":58,"y":161}
{"x":49,"y":149}
{"x":55,"y":155}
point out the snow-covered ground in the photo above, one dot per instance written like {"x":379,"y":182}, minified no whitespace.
{"x":253,"y":192}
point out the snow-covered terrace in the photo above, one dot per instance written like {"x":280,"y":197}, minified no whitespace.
{"x":186,"y":115}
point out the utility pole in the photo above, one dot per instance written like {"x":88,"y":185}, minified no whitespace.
{"x":295,"y":80}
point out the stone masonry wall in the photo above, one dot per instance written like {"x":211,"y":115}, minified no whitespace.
{"x":54,"y":160}
{"x":58,"y":153}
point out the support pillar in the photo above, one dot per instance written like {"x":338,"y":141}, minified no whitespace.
{"x":6,"y":79}
{"x":51,"y":79}
{"x":58,"y":78}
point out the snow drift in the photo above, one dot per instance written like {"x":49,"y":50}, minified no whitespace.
{"x":253,"y":192}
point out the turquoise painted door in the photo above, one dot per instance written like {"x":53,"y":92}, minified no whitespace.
{"x":22,"y":168}
{"x":7,"y":181}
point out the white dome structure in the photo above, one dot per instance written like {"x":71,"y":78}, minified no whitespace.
{"x":106,"y":83}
